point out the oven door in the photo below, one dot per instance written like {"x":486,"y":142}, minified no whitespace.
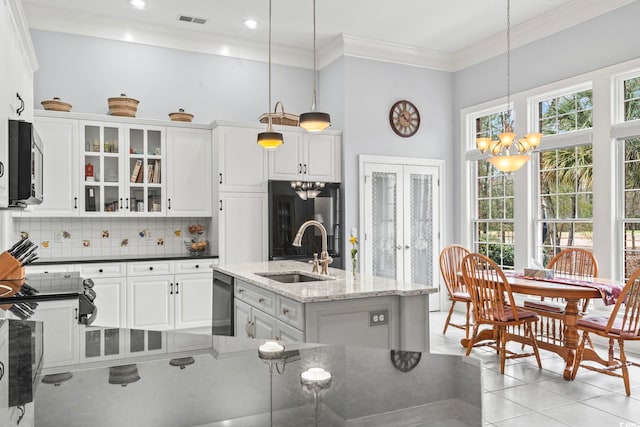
{"x":222,"y":311}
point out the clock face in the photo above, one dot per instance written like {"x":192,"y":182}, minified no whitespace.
{"x":404,"y":118}
{"x":405,"y":360}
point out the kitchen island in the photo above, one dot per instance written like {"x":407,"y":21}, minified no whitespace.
{"x":284,"y":300}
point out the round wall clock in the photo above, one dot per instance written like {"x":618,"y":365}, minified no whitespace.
{"x":405,"y":360}
{"x":404,"y":118}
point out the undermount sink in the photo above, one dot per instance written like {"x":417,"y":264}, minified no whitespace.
{"x":295,"y":277}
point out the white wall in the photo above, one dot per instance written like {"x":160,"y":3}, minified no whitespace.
{"x":86,"y":71}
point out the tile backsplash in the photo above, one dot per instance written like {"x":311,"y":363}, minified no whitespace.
{"x":75,"y":238}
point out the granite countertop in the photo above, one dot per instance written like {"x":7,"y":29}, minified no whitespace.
{"x":225,"y":383}
{"x":123,"y":258}
{"x":342,"y":285}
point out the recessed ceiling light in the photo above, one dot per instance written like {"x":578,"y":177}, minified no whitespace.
{"x":138,"y":4}
{"x":250,"y":23}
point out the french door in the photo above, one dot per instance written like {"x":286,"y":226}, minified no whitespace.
{"x":401,"y":222}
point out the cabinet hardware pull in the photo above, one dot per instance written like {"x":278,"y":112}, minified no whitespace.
{"x":220,"y":204}
{"x":277,"y":338}
{"x":171,"y":288}
{"x":169,"y":204}
{"x":407,"y":246}
{"x":285,"y":311}
{"x":261,"y":300}
{"x":120,"y":203}
{"x":197,"y":266}
{"x":100,"y":270}
{"x":1,"y":169}
{"x":247,"y":328}
{"x":240,"y":291}
{"x":399,"y":247}
{"x":21,"y":107}
{"x":299,"y":167}
{"x":305,"y":168}
{"x":1,"y":370}
{"x":76,"y":310}
{"x":151,"y":268}
{"x":127,"y":200}
{"x":177,"y":288}
{"x":75,"y":199}
{"x":253,"y":329}
{"x":220,"y":178}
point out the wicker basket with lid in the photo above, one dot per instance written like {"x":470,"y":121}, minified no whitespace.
{"x":123,"y":106}
{"x":181,"y":116}
{"x":56,"y":105}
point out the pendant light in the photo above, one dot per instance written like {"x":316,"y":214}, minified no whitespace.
{"x":314,"y":121}
{"x":509,"y":153}
{"x":270,"y":139}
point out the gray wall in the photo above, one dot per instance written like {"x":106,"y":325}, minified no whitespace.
{"x":85,"y":71}
{"x":600,"y":42}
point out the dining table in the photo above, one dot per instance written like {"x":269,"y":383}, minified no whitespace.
{"x":567,"y":288}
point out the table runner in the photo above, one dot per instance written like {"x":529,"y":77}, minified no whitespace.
{"x":608,"y":291}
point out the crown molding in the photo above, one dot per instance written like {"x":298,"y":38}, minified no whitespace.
{"x":575,"y":12}
{"x":23,"y":32}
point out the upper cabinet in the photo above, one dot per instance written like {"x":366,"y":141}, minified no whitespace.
{"x":307,"y":157}
{"x":189,"y":168}
{"x":242,"y":163}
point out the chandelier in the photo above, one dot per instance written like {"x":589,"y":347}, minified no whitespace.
{"x":509,"y":153}
{"x":307,"y":190}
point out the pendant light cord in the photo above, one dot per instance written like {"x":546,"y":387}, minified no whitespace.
{"x":508,"y":124}
{"x":313,"y":99}
{"x":270,"y":128}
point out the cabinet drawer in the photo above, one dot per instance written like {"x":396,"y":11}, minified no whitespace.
{"x":54,"y":268}
{"x":290,"y":312}
{"x":149,"y":268}
{"x":200,"y":265}
{"x":257,"y":297}
{"x":95,"y":271}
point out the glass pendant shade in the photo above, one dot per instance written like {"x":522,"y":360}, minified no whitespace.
{"x":508,"y":163}
{"x":315,"y":121}
{"x":269,"y":139}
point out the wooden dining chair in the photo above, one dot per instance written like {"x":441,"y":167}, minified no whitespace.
{"x":494,"y":305}
{"x":569,"y":262}
{"x":450,"y":265}
{"x":623,"y":324}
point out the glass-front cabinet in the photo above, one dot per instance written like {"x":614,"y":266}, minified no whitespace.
{"x":122,"y":168}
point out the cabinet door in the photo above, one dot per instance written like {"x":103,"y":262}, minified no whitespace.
{"x":110,"y":301}
{"x":320,"y":161}
{"x":286,"y":161}
{"x":4,"y":147}
{"x":150,"y":302}
{"x":60,"y":346}
{"x":242,"y":319}
{"x":145,"y":174}
{"x":189,"y":172}
{"x":263,"y":325}
{"x":193,"y":300}
{"x":140,"y":342}
{"x":60,"y":168}
{"x":242,"y":162}
{"x":242,"y":227}
{"x":97,"y":344}
{"x":286,"y":333}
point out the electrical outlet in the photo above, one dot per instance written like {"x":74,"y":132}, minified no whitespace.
{"x":380,"y":317}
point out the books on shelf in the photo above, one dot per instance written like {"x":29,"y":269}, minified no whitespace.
{"x":136,"y":171}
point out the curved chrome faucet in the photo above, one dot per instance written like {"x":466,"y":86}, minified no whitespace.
{"x":325,"y":259}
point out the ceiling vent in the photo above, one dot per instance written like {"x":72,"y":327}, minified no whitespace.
{"x":191,"y":19}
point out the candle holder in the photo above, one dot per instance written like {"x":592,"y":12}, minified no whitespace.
{"x":315,"y":380}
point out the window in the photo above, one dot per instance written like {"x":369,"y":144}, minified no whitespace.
{"x":631,"y":211}
{"x":632,"y":99}
{"x":566,"y":113}
{"x":565,"y":200}
{"x":493,"y":219}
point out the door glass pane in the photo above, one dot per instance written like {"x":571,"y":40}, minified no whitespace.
{"x":154,"y":143}
{"x":92,"y":199}
{"x":92,"y":343}
{"x":111,"y":341}
{"x":155,"y":340}
{"x":384,"y":188}
{"x":137,"y":199}
{"x":421,"y":223}
{"x":111,"y":140}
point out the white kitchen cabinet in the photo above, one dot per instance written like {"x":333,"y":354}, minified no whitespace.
{"x":286,"y":333}
{"x":242,"y":227}
{"x":4,"y":374}
{"x":241,"y":162}
{"x":307,"y":157}
{"x":60,"y":168}
{"x":60,"y":346}
{"x":150,"y":302}
{"x":145,"y":154}
{"x":253,"y":323}
{"x":98,"y":344}
{"x":193,"y":299}
{"x":189,"y":184}
{"x":110,"y":302}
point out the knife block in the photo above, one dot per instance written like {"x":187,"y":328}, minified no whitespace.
{"x":11,"y":277}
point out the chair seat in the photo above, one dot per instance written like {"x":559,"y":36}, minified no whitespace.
{"x":599,"y":323}
{"x":552,"y":306}
{"x":509,"y":316}
{"x":462,"y":296}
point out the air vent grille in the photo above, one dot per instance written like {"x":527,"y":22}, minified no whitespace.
{"x":185,"y":18}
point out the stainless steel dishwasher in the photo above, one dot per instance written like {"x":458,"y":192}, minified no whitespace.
{"x":222,"y":311}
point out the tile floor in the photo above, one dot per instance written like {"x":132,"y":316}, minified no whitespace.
{"x":527,"y":396}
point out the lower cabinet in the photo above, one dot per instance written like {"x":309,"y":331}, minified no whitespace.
{"x":98,"y":344}
{"x":60,"y":346}
{"x":110,"y":302}
{"x":252,"y":322}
